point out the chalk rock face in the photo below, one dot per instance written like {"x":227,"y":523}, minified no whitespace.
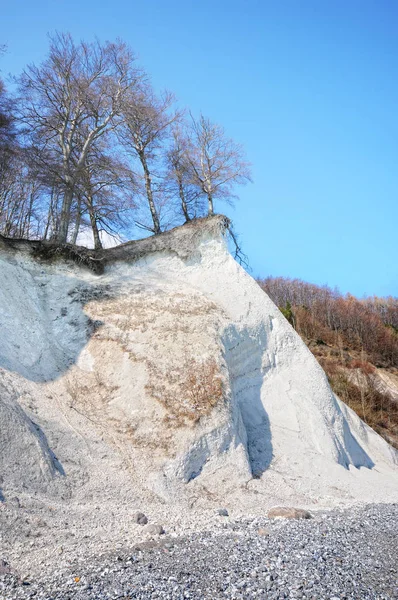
{"x":26,"y":460}
{"x":174,"y":375}
{"x":42,"y":328}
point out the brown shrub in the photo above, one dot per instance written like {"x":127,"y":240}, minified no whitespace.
{"x":320,"y":313}
{"x":366,"y":330}
{"x":363,"y":365}
{"x":378,"y":410}
{"x":330,"y":366}
{"x":189,"y":391}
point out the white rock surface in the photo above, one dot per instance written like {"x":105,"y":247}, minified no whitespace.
{"x":81,"y":354}
{"x":26,"y":461}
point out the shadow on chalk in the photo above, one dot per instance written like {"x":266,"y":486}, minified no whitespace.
{"x":243,"y":354}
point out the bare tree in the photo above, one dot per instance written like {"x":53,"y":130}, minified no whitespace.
{"x":57,"y":170}
{"x":106,"y":192}
{"x":217,"y":162}
{"x":70,"y":101}
{"x":179,"y":174}
{"x":54,"y":200}
{"x":17,"y":191}
{"x":147,"y":119}
{"x":21,"y":206}
{"x":8,"y":132}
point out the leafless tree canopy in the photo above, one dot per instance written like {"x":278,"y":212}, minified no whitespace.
{"x":147,"y":121}
{"x":69,"y":102}
{"x":217,"y":162}
{"x":88,"y":144}
{"x":180,"y":176}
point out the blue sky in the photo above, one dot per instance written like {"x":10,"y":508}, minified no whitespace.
{"x":309,"y":87}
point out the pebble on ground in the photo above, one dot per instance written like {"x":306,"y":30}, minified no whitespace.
{"x":350,"y":554}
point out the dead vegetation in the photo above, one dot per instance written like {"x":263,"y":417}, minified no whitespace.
{"x":353,"y":340}
{"x":356,"y":382}
{"x":187,"y":392}
{"x":143,"y":326}
{"x":89,"y":392}
{"x":325,"y":315}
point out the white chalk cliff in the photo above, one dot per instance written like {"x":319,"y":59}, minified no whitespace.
{"x":91,"y":400}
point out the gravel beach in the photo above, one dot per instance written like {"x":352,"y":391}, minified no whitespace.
{"x":350,"y":553}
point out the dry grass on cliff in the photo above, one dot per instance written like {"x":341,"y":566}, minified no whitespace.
{"x":188,"y":391}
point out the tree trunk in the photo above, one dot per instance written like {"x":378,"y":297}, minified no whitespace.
{"x":94,"y":227}
{"x":45,"y":234}
{"x":62,"y":234}
{"x":183,"y":201}
{"x":50,"y":216}
{"x":77,"y":223}
{"x":211,"y":207}
{"x":148,"y":188}
{"x":28,"y":219}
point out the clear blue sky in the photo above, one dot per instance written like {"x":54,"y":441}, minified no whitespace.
{"x":309,"y":87}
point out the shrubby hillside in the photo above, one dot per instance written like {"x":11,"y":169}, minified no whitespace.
{"x":355,"y":341}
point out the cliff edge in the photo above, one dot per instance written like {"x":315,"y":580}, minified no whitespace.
{"x":167,"y":378}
